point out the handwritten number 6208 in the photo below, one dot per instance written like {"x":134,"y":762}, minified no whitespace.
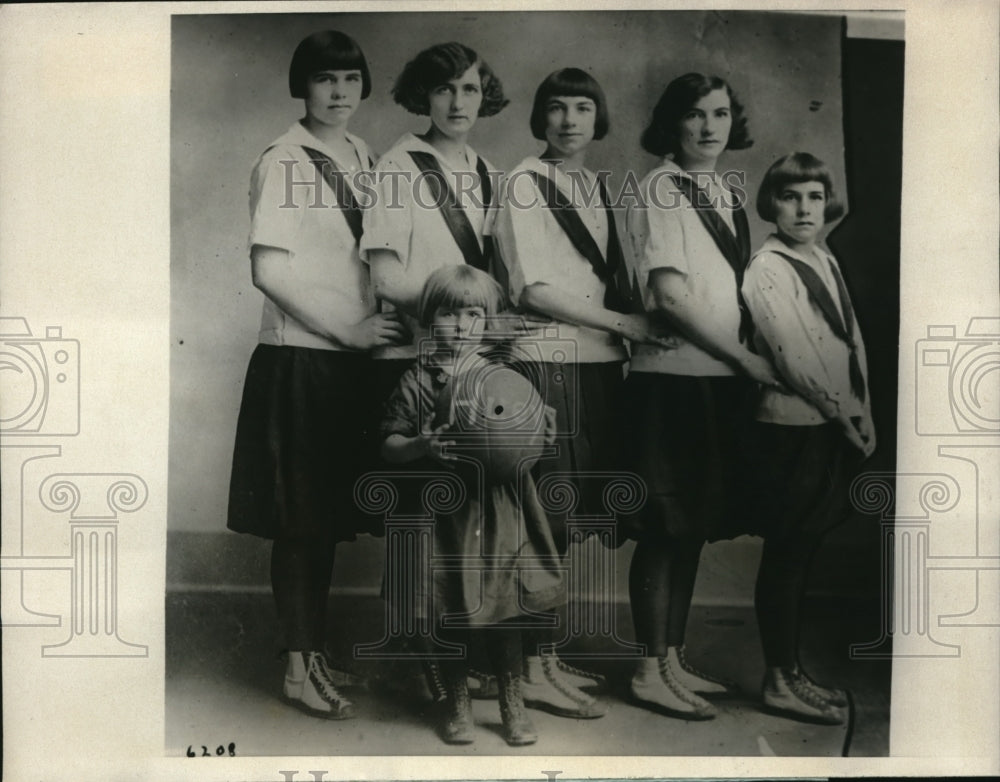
{"x":219,"y":751}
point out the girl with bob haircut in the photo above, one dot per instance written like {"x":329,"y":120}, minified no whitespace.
{"x":460,"y":286}
{"x":499,"y":533}
{"x":796,"y":168}
{"x":560,"y":255}
{"x":686,"y":407}
{"x":439,"y":64}
{"x":302,"y":433}
{"x":433,"y":204}
{"x":810,"y":435}
{"x":662,"y":137}
{"x":407,"y":234}
{"x":574,"y":82}
{"x":329,"y":50}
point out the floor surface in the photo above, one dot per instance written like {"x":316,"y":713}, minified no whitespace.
{"x":223,"y":679}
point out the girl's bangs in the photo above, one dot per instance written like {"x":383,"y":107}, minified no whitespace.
{"x":475,"y":292}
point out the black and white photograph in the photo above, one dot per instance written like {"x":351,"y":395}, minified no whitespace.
{"x":642,"y":407}
{"x":499,"y":391}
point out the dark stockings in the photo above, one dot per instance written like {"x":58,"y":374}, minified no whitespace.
{"x":661,"y":584}
{"x":778,"y":596}
{"x":534,"y":638}
{"x":503,"y":648}
{"x":300,"y":578}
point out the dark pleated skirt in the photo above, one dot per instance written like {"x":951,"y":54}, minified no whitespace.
{"x":587,"y":399}
{"x":799,"y":478}
{"x":683,"y":436}
{"x":307,"y":431}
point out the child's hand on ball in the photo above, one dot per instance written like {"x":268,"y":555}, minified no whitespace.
{"x":434,"y":446}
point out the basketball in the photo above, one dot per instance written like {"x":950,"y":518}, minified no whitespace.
{"x":498,"y":421}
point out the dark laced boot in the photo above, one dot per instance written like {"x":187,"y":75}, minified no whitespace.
{"x":435,"y":681}
{"x":456,"y":722}
{"x":518,"y":731}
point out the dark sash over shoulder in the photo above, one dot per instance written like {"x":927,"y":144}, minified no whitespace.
{"x":336,"y":179}
{"x":607,"y":268}
{"x":843,"y":329}
{"x":451,"y":210}
{"x":735,"y":249}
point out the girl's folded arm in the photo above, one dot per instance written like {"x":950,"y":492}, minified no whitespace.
{"x":274,"y":275}
{"x":673,"y":297}
{"x":391,"y":283}
{"x":790,"y":332}
{"x":560,"y":305}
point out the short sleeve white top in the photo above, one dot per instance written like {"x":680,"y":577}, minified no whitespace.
{"x":665,"y":232}
{"x":293,"y":209}
{"x":534,"y":248}
{"x":402,"y":217}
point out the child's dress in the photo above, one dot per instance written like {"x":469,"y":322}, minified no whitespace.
{"x":493,"y":558}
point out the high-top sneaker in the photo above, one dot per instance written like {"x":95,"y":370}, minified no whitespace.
{"x":308,"y":687}
{"x":576,"y":677}
{"x":543,"y":688}
{"x":834,"y":695}
{"x":655,"y":686}
{"x":695,"y":680}
{"x":789,"y":694}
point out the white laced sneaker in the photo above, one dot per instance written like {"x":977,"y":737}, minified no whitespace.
{"x":308,"y":687}
{"x":655,"y":685}
{"x":788,"y":693}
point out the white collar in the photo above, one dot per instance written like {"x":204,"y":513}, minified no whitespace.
{"x":299,"y":135}
{"x":774,"y":244}
{"x":409,"y":142}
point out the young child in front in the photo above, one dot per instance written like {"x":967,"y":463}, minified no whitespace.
{"x":509,"y":562}
{"x":808,"y":436}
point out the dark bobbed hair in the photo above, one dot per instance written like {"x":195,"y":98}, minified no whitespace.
{"x":439,"y":64}
{"x":328,"y":50}
{"x":569,"y":82}
{"x":794,"y":169}
{"x":459,"y":286}
{"x":680,"y":96}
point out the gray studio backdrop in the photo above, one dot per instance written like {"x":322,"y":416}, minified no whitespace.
{"x":230,"y":100}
